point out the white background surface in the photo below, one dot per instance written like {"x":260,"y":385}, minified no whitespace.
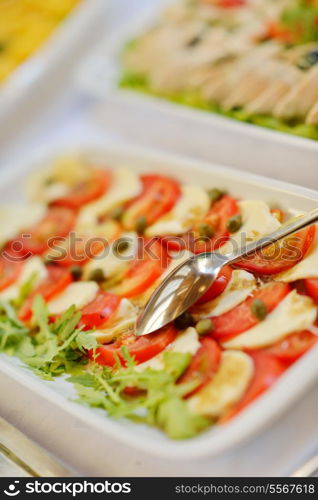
{"x":276,"y":452}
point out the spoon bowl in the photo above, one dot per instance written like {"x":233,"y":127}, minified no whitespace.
{"x":182,"y":287}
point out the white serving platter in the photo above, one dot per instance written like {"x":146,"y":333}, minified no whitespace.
{"x":121,"y":435}
{"x":71,"y":36}
{"x":153,"y":121}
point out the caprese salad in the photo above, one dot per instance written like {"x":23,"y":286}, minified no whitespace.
{"x":79,"y":262}
{"x":252,"y":60}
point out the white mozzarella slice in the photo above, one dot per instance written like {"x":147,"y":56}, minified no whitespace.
{"x":13,"y":219}
{"x":192,"y":205}
{"x":227,"y":386}
{"x":55,"y":191}
{"x":306,"y":268}
{"x":78,"y":294}
{"x":123,"y":321}
{"x":32,"y":267}
{"x":186,"y":342}
{"x":125,"y":185}
{"x":36,"y":185}
{"x":238,"y":289}
{"x":257,"y":222}
{"x":110,"y":261}
{"x":46,"y":185}
{"x":294,"y":313}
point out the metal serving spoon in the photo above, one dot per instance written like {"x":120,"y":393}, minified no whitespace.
{"x":191,"y":279}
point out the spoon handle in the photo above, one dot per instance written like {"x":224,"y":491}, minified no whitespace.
{"x":287,"y":229}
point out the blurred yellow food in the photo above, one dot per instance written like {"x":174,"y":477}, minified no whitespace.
{"x":24,"y":27}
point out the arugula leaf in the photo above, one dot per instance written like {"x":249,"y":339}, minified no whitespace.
{"x":175,"y":363}
{"x":85,"y":341}
{"x":159,"y":401}
{"x":58,"y":346}
{"x":86,"y":380}
{"x":12,"y":331}
{"x":175,"y":418}
{"x":25,"y":290}
{"x":51,"y":349}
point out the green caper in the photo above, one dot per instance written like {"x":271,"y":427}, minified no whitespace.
{"x":259,"y":309}
{"x":49,"y":181}
{"x":206,"y":230}
{"x":76,"y":272}
{"x":184,"y":321}
{"x":215,"y":194}
{"x":234,"y":223}
{"x":117,"y":213}
{"x":204,"y":326}
{"x":97,"y":275}
{"x":48,"y":260}
{"x":141,"y":224}
{"x":120,"y":246}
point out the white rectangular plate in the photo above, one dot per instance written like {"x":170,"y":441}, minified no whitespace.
{"x":163,"y":124}
{"x":273,"y":404}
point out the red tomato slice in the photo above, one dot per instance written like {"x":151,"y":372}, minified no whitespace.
{"x":267,"y":370}
{"x":312,"y":288}
{"x":158,"y":196}
{"x":140,"y":348}
{"x":56,"y":281}
{"x":240,"y":318}
{"x":217,"y":218}
{"x":217,"y":287}
{"x":85,"y":192}
{"x":9,"y":272}
{"x":203,"y":366}
{"x":280,"y":256}
{"x":143,"y":272}
{"x":100,"y":310}
{"x":293,"y":346}
{"x":57,"y":223}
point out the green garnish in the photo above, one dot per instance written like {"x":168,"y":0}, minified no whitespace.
{"x":120,"y":246}
{"x":53,"y":349}
{"x":25,"y":290}
{"x":97,"y":275}
{"x":301,"y":20}
{"x":141,"y":224}
{"x":215,"y":195}
{"x":12,"y":331}
{"x":49,"y":181}
{"x":259,"y":309}
{"x":234,"y":224}
{"x":117,"y":213}
{"x":205,"y":230}
{"x":159,"y":402}
{"x":193,"y":99}
{"x":204,"y":326}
